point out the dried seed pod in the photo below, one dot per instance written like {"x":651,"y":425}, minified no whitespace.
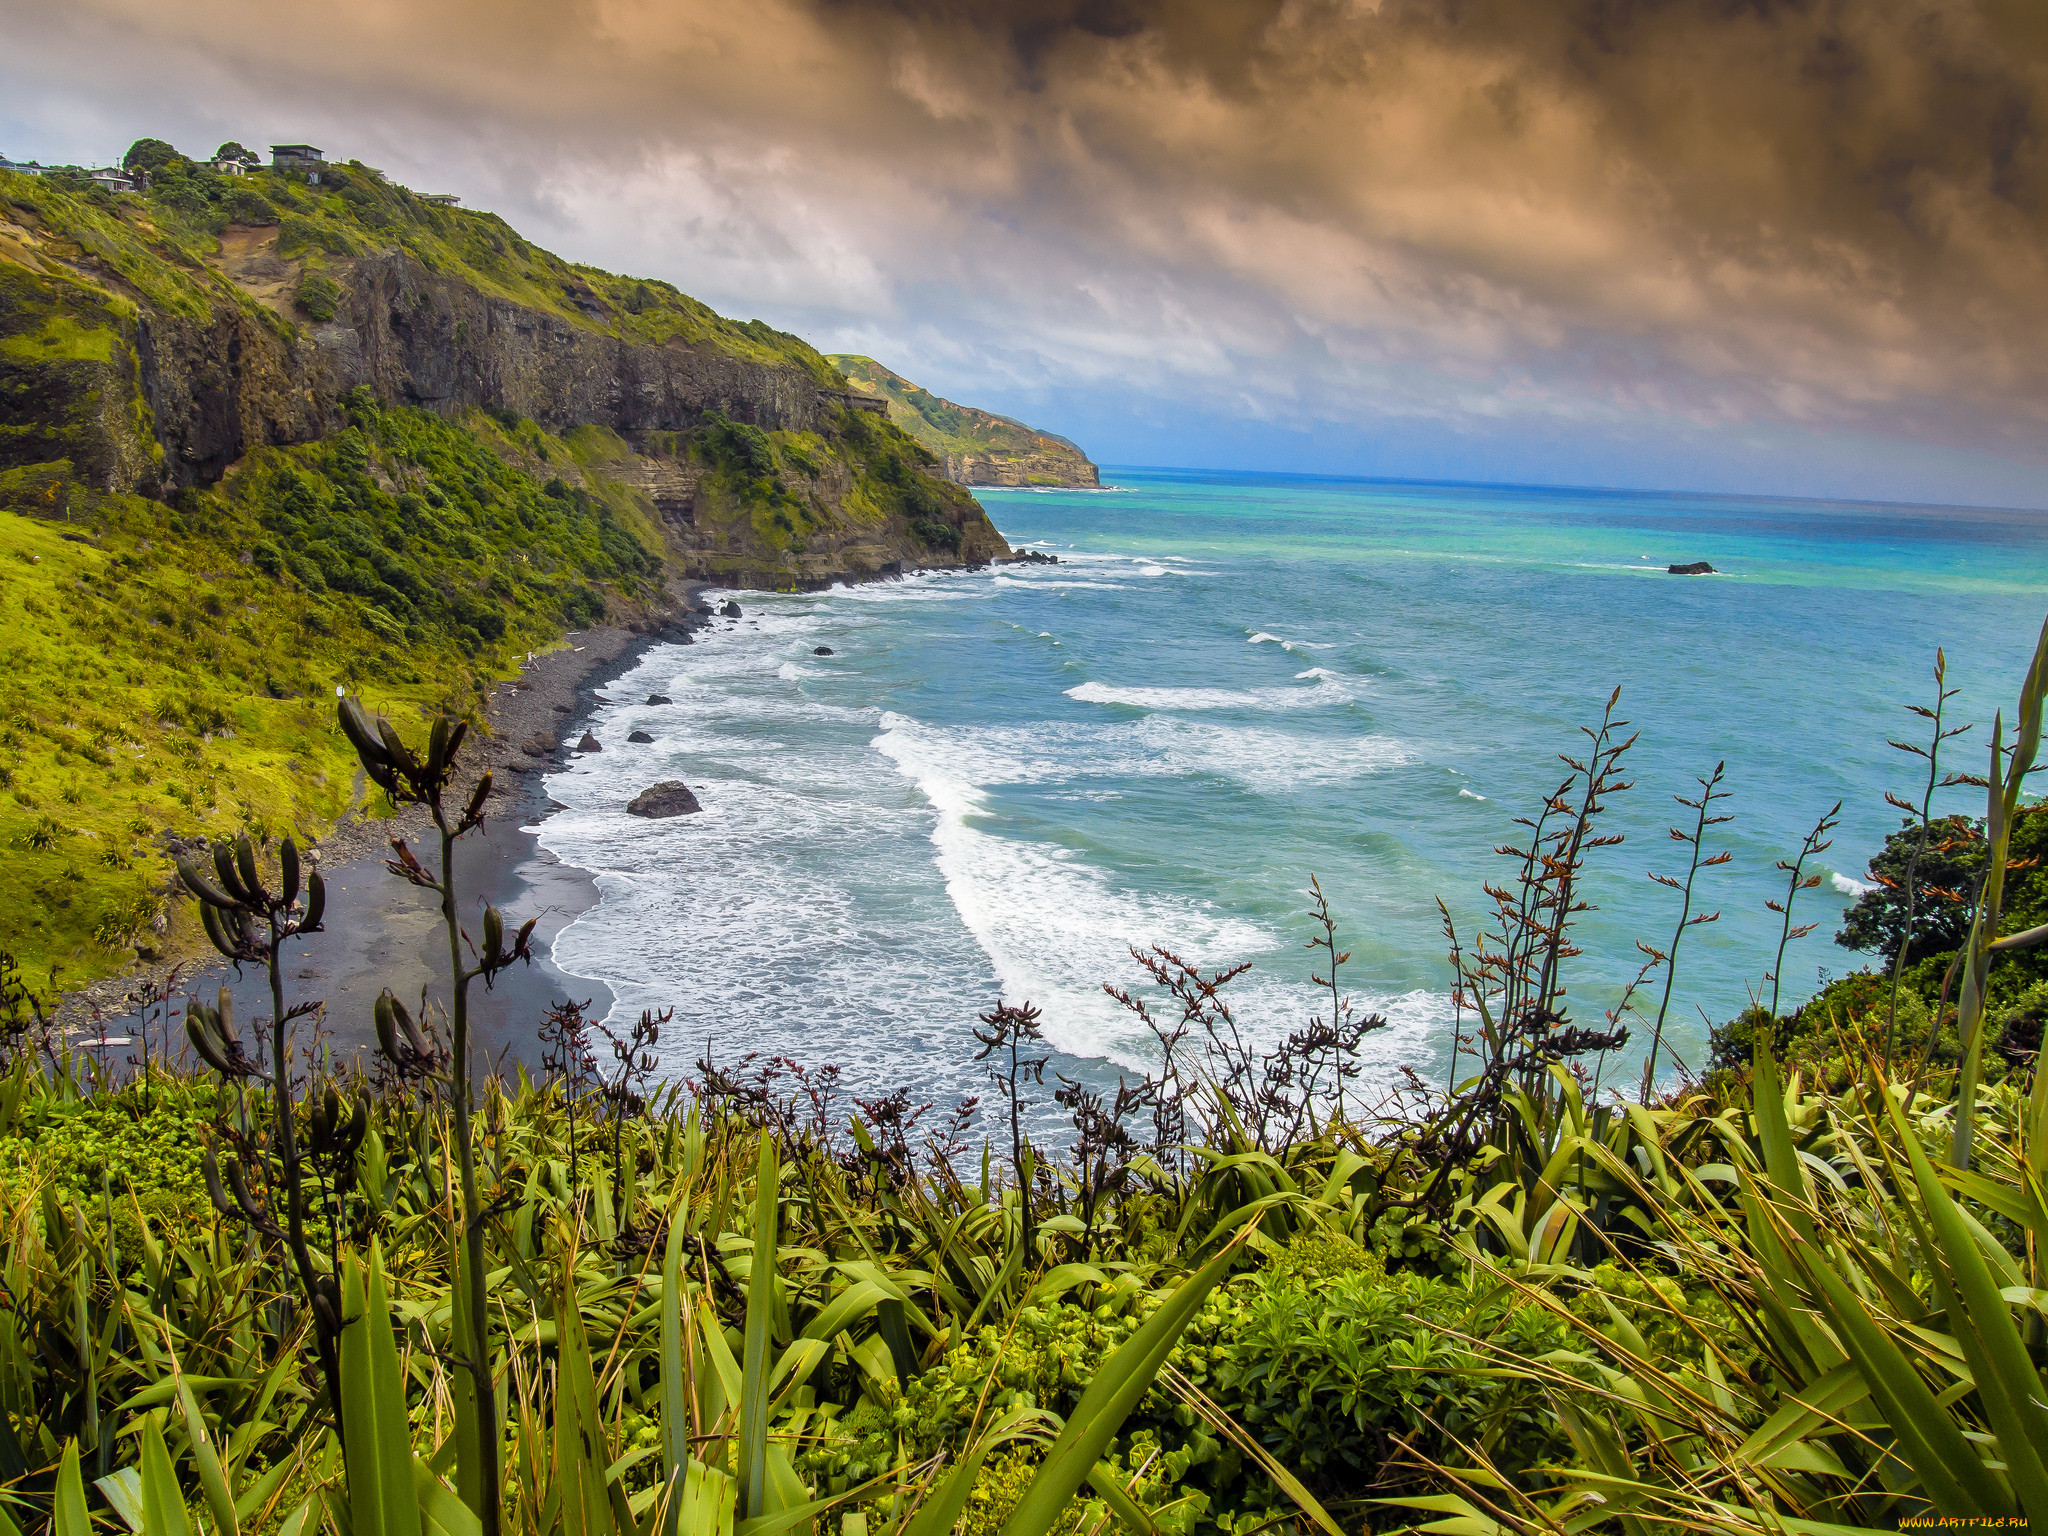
{"x":230,"y":876}
{"x":316,"y":903}
{"x":363,"y":736}
{"x":214,"y":1190}
{"x":199,"y":885}
{"x":224,"y":929}
{"x":395,"y":749}
{"x":477,"y":796}
{"x":245,"y":865}
{"x":202,"y":1038}
{"x":288,"y":866}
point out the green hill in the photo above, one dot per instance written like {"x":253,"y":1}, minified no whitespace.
{"x":261,"y":437}
{"x":974,"y":447}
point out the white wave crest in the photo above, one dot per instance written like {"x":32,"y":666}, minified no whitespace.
{"x":1851,"y":888}
{"x":1053,"y":926}
{"x":1261,"y":637}
{"x":1466,"y":794}
{"x":1326,"y":691}
{"x":1046,"y":584}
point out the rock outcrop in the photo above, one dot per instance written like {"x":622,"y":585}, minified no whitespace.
{"x":671,"y":797}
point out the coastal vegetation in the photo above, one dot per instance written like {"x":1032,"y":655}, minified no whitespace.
{"x":257,"y":1285}
{"x":1800,"y":1292}
{"x":175,"y":607}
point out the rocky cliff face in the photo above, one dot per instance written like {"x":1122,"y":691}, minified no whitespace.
{"x":974,"y":447}
{"x":223,"y":385}
{"x":999,"y":468}
{"x":146,"y":369}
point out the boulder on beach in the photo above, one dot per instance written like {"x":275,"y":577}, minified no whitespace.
{"x":589,"y":743}
{"x":731,"y":610}
{"x":671,"y":797}
{"x":659,"y":698}
{"x":641,"y":737}
{"x":823,"y":650}
{"x":1697,"y":568}
{"x":539,"y":744}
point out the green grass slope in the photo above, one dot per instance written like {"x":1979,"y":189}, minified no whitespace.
{"x":164,"y":248}
{"x":962,"y":432}
{"x":169,"y":669}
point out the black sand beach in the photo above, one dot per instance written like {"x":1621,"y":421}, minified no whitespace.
{"x":382,"y":932}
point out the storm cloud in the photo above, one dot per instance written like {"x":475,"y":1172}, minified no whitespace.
{"x":1630,"y":229}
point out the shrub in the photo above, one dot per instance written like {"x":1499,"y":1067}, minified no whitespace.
{"x":245,"y":205}
{"x":317,"y":295}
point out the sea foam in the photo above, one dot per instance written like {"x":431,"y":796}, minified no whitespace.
{"x":1052,"y":925}
{"x":1327,"y":690}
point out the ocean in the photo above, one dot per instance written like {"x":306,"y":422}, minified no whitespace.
{"x":996,"y":783}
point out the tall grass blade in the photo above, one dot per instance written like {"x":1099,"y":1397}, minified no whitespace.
{"x":755,"y":1366}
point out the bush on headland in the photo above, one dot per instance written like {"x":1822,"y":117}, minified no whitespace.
{"x":1802,"y":1294}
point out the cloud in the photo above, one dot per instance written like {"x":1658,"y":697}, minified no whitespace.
{"x":1680,"y":217}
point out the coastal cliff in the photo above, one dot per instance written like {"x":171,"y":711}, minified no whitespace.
{"x":974,"y":447}
{"x":263,"y":440}
{"x":146,"y":355}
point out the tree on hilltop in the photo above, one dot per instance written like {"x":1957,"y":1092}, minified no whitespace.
{"x":150,"y":155}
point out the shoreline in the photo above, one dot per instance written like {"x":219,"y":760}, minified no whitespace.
{"x":380,"y":931}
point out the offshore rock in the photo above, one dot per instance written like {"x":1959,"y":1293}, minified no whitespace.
{"x":731,"y":610}
{"x":589,"y":743}
{"x":1697,"y":568}
{"x":671,"y":797}
{"x":641,"y":737}
{"x":659,"y":698}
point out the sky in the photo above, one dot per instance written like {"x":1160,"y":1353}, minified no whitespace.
{"x":1771,"y":246}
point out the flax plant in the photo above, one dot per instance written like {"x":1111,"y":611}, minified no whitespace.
{"x":410,"y":779}
{"x":1695,"y":842}
{"x":1924,"y":813}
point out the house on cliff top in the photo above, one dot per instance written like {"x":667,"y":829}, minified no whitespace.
{"x":298,"y":160}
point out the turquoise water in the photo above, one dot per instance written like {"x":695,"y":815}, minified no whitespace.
{"x":998,"y":782}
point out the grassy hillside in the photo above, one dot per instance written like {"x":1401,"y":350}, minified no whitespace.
{"x":169,"y":669}
{"x":961,"y":432}
{"x":164,"y":248}
{"x":171,"y":665}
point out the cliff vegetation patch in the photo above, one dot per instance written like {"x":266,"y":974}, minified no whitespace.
{"x":168,"y":669}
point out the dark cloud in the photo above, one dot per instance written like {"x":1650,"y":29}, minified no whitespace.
{"x":1607,"y":215}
